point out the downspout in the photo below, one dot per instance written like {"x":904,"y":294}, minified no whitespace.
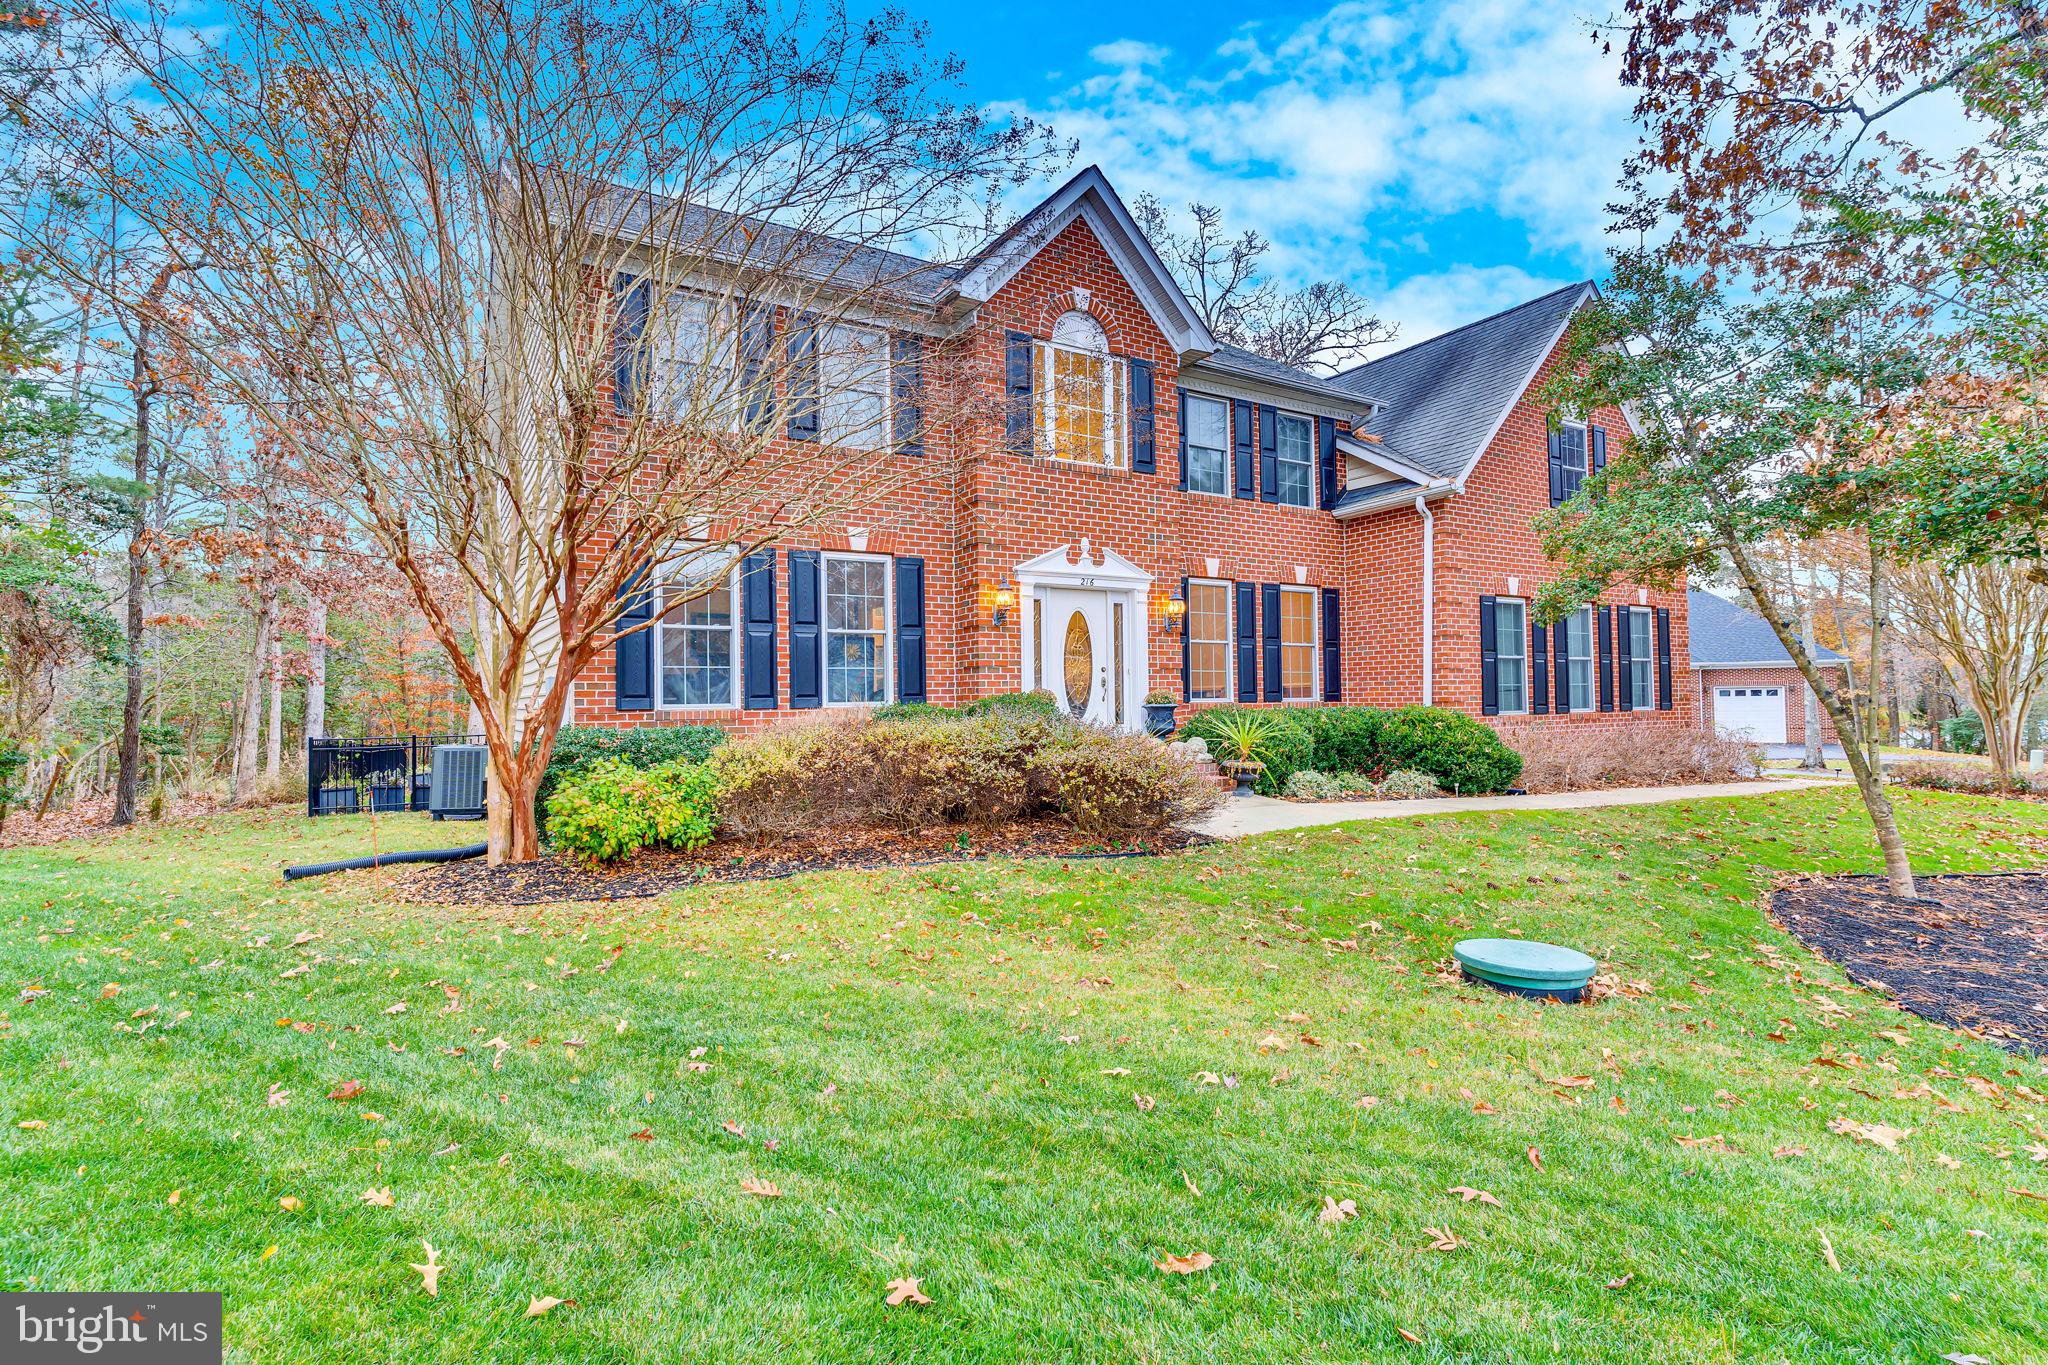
{"x":1428,"y":600}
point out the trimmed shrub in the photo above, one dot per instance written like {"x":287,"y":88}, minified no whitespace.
{"x":1559,"y":758}
{"x":610,"y":809}
{"x":1346,"y":739}
{"x":1934,"y":774}
{"x":1284,"y":748}
{"x":1006,"y":765}
{"x":1405,"y":784}
{"x":641,"y":746}
{"x":1040,"y":703}
{"x":1312,"y":784}
{"x":1963,"y":734}
{"x":1462,"y":754}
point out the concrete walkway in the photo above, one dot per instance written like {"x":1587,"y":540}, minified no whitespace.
{"x":1242,"y":815}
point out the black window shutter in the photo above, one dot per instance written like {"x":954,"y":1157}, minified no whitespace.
{"x":1560,"y":642}
{"x":1596,"y":448}
{"x":1624,"y":682}
{"x":1489,"y":661}
{"x":906,"y":382}
{"x":1187,"y":649}
{"x":910,"y":630}
{"x":806,"y":649}
{"x":1017,"y":391}
{"x":757,"y":379}
{"x":1326,"y":460}
{"x":803,"y":380}
{"x":628,"y":357}
{"x":757,"y":626}
{"x":1269,"y":608}
{"x":1603,"y":626}
{"x":1556,"y":468}
{"x":633,"y":655}
{"x":1664,"y":659}
{"x":1144,"y":459}
{"x":1333,"y":648}
{"x":1269,"y":455}
{"x":1183,"y":437}
{"x":1247,"y":614}
{"x":1539,"y":669}
{"x":1247,"y":485}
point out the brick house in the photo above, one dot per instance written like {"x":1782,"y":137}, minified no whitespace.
{"x":1140,"y":509}
{"x":1747,"y":685}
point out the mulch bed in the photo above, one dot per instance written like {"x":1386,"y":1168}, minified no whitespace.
{"x":1972,"y":954}
{"x":653,"y":873}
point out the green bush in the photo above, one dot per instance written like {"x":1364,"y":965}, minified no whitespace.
{"x":1463,"y":755}
{"x":610,"y":809}
{"x":1040,"y":703}
{"x":641,"y":746}
{"x":1964,"y":734}
{"x":1345,"y":739}
{"x":913,"y":710}
{"x":1312,"y":784}
{"x":1284,"y":747}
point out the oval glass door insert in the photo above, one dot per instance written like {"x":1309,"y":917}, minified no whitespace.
{"x":1080,"y":663}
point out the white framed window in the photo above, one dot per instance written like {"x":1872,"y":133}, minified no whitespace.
{"x":1297,"y":644}
{"x":1511,"y":655}
{"x":1294,"y":444}
{"x":853,"y":386}
{"x":1578,"y":658}
{"x":1572,"y":455}
{"x":692,"y":360}
{"x":858,"y":624}
{"x":696,"y":642}
{"x":1080,"y":389}
{"x":1209,"y":642}
{"x":1642,"y":660}
{"x":1208,"y":443}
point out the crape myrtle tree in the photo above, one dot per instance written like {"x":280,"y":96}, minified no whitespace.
{"x":1726,"y":398}
{"x":544,"y":294}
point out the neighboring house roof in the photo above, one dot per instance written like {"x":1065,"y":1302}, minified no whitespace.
{"x":1442,"y":400}
{"x":1724,"y":635}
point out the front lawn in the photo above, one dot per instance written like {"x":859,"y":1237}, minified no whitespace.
{"x":996,"y":1078}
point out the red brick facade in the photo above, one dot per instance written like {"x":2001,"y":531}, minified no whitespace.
{"x":974,"y":510}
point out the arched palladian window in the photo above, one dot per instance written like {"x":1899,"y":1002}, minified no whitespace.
{"x":1081,"y":394}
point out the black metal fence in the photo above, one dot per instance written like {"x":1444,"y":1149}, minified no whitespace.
{"x":351,"y":776}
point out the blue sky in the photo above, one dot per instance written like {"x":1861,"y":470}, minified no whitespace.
{"x":1447,"y":160}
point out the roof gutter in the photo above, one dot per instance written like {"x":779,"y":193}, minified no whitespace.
{"x":1432,"y":491}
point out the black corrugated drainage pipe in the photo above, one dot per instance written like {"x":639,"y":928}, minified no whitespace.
{"x":424,"y":855}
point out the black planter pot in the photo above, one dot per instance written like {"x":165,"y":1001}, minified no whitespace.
{"x":1159,"y":719}
{"x":1246,"y":780}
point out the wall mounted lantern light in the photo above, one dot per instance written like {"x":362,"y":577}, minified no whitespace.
{"x":1005,"y":598}
{"x":1175,"y":611}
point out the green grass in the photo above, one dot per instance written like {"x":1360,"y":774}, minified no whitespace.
{"x":929,"y":1054}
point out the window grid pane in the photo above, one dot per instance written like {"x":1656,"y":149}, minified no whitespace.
{"x":1294,"y":445}
{"x":1297,"y":644}
{"x":1208,"y":641}
{"x":853,"y":369}
{"x":1080,"y":411}
{"x":856,"y":630}
{"x":1511,"y":662}
{"x":1208,"y":441}
{"x":1640,"y":660}
{"x":696,"y":648}
{"x":1579,"y":658}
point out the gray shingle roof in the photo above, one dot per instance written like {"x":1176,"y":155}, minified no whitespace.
{"x":1721,"y":633}
{"x":1445,"y":397}
{"x":1251,"y":365}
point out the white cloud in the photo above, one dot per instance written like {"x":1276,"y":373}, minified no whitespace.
{"x":1344,"y":137}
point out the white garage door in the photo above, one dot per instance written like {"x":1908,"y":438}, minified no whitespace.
{"x":1754,"y":713}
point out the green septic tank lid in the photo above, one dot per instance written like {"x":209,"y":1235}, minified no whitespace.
{"x":1514,"y":961}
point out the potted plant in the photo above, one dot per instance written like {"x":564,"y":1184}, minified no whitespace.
{"x":1159,"y":714}
{"x":1239,"y":738}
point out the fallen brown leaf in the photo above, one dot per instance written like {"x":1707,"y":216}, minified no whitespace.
{"x":761,"y":1189}
{"x":540,"y":1305}
{"x":1185,"y":1265}
{"x":347,"y":1090}
{"x":905,"y":1290}
{"x":1467,"y":1194}
{"x":1337,"y":1210}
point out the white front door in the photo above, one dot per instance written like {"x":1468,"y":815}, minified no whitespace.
{"x":1080,"y":643}
{"x":1756,"y":714}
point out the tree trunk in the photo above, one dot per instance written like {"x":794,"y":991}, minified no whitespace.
{"x":249,"y":730}
{"x":273,"y":755}
{"x":1856,"y":745}
{"x":1814,"y":760}
{"x":129,"y":774}
{"x":316,"y":668}
{"x":1880,"y":604}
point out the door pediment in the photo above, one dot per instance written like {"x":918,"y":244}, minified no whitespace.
{"x":1062,"y":567}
